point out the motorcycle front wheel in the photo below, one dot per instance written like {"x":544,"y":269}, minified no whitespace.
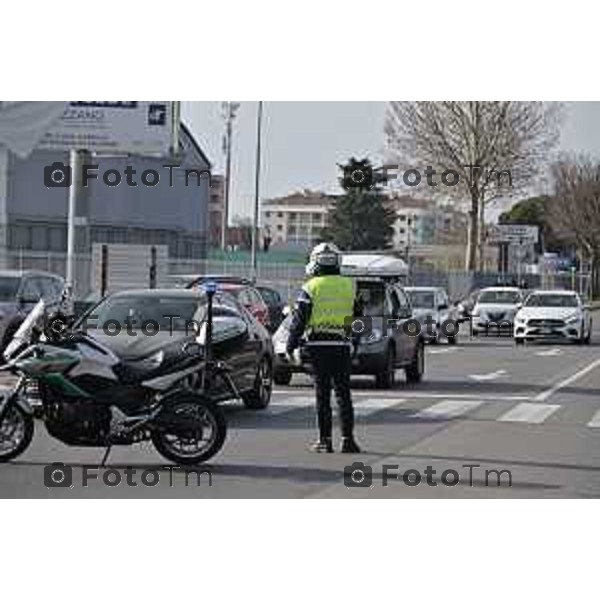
{"x":191,"y":432}
{"x":16,"y":432}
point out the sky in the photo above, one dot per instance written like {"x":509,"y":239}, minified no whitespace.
{"x":304,"y":141}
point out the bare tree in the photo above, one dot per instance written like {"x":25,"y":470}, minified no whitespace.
{"x":496,"y":149}
{"x":575,"y":210}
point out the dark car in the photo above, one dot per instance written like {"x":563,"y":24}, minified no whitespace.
{"x":240,"y":341}
{"x":384,"y":350}
{"x":275,"y":304}
{"x":19,"y":293}
{"x":243,"y":290}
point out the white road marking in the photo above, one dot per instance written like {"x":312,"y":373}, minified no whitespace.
{"x":373,"y":405}
{"x":442,"y":350}
{"x":543,"y":396}
{"x":528,"y":412}
{"x":551,"y":352}
{"x":488,"y":376}
{"x":447,"y":409}
{"x":595,"y":422}
{"x":279,"y":406}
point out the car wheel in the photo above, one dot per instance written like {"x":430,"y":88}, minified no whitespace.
{"x":452,"y":339}
{"x":259,"y":396}
{"x":416,"y":369}
{"x":282,"y":377}
{"x":387,"y":378}
{"x":588,"y":337}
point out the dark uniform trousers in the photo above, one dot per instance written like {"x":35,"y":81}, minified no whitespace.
{"x":332,"y":365}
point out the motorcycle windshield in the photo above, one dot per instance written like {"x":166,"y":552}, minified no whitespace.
{"x":23,"y":334}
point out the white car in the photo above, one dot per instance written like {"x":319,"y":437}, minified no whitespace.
{"x":495,"y":310}
{"x":432,"y":303}
{"x":553,"y":314}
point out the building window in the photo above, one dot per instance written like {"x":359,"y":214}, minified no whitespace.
{"x":268,"y":215}
{"x":279,"y":227}
{"x":402,"y":217}
{"x":279,"y":215}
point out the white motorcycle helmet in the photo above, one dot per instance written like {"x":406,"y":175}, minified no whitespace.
{"x":323,"y":255}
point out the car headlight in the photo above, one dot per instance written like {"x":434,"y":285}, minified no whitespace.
{"x":520,"y":318}
{"x":572,"y":318}
{"x":156,"y":359}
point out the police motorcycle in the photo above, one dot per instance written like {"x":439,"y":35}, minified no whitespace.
{"x":90,"y":397}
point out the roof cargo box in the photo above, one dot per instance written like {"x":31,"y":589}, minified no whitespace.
{"x":373,"y":265}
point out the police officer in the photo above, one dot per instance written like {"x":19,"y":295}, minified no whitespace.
{"x":327,"y":299}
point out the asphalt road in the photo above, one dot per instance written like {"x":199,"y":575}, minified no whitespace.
{"x":531,"y":414}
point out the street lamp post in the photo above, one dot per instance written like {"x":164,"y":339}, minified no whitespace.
{"x":256,"y":191}
{"x":229,"y":110}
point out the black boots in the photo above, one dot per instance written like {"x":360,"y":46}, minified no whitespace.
{"x":349,"y":446}
{"x":322,"y":445}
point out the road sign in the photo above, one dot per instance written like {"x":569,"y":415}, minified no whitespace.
{"x":122,"y":127}
{"x":513,"y":234}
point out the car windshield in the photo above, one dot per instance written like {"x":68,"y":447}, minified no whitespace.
{"x":499,"y":297}
{"x":421,"y":298}
{"x":137,"y":310}
{"x":9,"y":287}
{"x":553,"y":300}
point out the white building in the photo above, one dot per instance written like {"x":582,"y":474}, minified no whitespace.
{"x":297,"y":219}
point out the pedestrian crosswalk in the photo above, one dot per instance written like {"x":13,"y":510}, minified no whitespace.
{"x":529,"y":412}
{"x":434,"y":408}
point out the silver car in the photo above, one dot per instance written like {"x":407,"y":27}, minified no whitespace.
{"x":389,"y":345}
{"x":432,"y":309}
{"x":19,"y":293}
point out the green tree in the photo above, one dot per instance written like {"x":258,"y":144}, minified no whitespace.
{"x":359,"y":219}
{"x":536,"y":211}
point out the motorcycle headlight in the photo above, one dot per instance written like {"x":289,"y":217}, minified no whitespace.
{"x":375,"y":336}
{"x":573,"y":318}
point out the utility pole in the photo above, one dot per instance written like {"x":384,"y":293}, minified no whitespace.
{"x":229,"y":110}
{"x":256,"y":192}
{"x":76,"y":190}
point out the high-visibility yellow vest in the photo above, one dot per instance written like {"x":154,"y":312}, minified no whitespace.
{"x":332,"y":299}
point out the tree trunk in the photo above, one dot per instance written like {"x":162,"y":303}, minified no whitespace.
{"x":480,"y":237}
{"x":472,"y":237}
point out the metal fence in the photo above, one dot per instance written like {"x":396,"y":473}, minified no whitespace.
{"x":288,"y":277}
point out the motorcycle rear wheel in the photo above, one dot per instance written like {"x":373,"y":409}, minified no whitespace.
{"x":196,"y":441}
{"x":16,"y":433}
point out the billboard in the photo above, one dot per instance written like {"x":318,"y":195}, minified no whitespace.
{"x":106,"y":127}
